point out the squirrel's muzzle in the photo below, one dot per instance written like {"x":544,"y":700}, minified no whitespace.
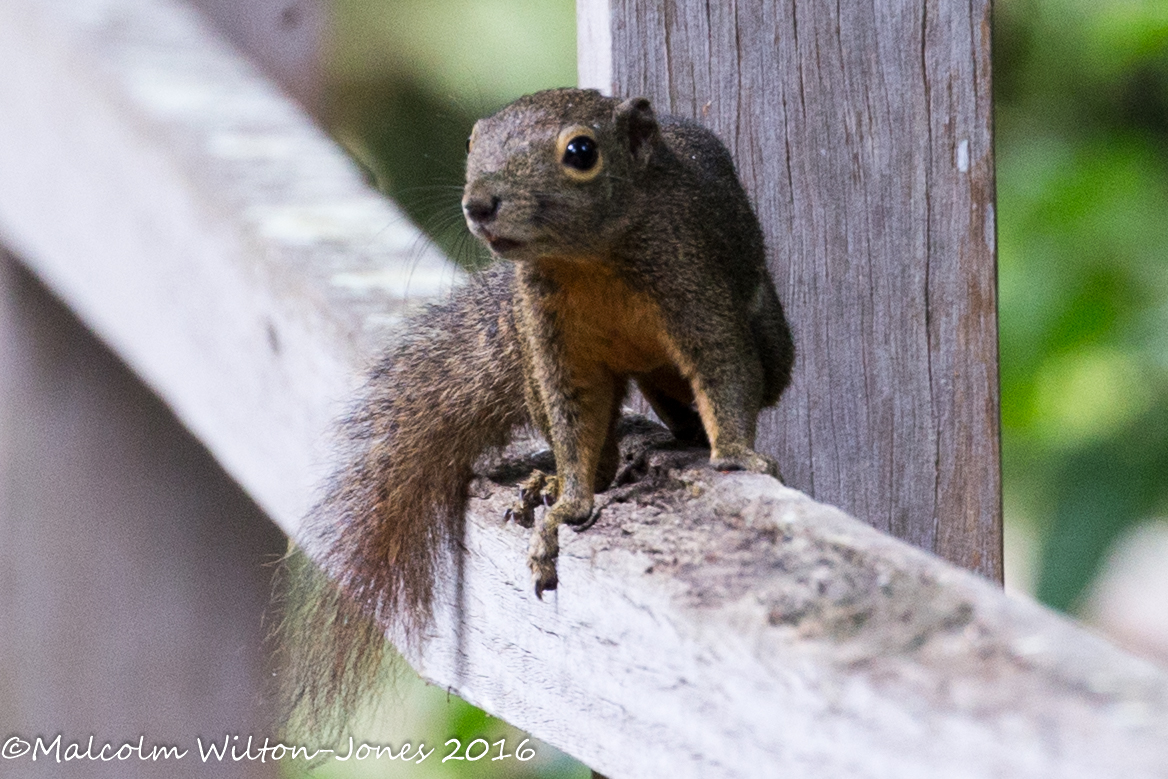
{"x":481,"y":208}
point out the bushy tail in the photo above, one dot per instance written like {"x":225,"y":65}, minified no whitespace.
{"x":451,"y":390}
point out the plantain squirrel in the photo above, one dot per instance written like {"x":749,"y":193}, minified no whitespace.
{"x":631,"y":254}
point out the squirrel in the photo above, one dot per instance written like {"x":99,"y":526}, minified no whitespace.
{"x":630,"y":253}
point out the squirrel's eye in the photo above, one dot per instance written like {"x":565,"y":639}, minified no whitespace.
{"x":581,"y":153}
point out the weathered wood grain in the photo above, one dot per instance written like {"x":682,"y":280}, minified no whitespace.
{"x":862,"y":132}
{"x":736,"y":628}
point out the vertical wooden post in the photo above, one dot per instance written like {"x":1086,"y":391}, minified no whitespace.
{"x":862,"y":131}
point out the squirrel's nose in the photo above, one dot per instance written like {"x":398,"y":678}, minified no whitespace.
{"x":480,"y":209}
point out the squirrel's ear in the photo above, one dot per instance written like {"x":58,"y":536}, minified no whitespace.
{"x":636,"y":120}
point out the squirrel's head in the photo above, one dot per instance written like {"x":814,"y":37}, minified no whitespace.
{"x":552,"y":173}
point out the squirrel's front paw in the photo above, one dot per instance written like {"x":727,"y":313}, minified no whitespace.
{"x":545,"y":541}
{"x":538,"y":488}
{"x":739,"y":458}
{"x":541,"y":559}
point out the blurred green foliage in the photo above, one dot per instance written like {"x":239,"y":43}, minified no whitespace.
{"x":1081,"y":104}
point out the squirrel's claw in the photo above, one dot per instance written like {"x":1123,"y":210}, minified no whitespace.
{"x":544,"y":581}
{"x":585,"y":522}
{"x":538,"y":488}
{"x":541,"y":559}
{"x":521,"y":513}
{"x":545,"y":540}
{"x":740,"y":458}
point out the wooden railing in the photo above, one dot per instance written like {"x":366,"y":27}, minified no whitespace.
{"x":726,"y":625}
